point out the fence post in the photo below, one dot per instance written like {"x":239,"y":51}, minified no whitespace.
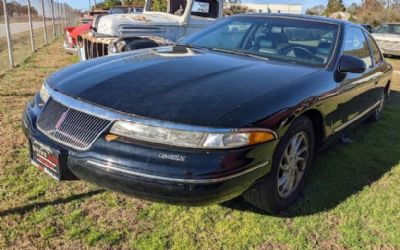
{"x":58,"y":19}
{"x":30,"y":25}
{"x":44,"y":22}
{"x":65,"y":15}
{"x":52,"y":18}
{"x":9,"y":41}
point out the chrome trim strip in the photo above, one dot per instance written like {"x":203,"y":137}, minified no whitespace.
{"x":344,"y":125}
{"x":114,"y":115}
{"x":111,"y":168}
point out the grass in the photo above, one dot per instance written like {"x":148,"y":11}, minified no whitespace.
{"x":351,"y":200}
{"x":22,"y":48}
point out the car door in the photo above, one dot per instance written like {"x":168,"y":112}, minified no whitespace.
{"x":378,"y":69}
{"x":353,"y":100}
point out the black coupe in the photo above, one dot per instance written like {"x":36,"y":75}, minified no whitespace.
{"x":238,"y":109}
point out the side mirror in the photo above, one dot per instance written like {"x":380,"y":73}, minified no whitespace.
{"x":351,"y":64}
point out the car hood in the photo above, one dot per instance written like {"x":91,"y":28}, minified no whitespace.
{"x":177,"y":84}
{"x":80,"y":29}
{"x":113,"y":24}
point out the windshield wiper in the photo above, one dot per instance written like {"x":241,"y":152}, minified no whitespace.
{"x":239,"y":52}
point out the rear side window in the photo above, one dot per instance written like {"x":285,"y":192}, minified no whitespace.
{"x":396,"y":29}
{"x":374,"y":49}
{"x":384,"y":28}
{"x":356,"y":45}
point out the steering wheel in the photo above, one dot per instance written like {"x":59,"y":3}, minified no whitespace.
{"x":298,"y":52}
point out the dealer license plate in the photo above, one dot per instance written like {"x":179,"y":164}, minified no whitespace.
{"x":45,"y":159}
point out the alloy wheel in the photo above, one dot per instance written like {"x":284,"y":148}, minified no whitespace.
{"x":293,"y":164}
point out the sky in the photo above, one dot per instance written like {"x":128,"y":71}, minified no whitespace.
{"x":84,"y":4}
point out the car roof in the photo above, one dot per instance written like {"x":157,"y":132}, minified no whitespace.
{"x":300,"y":16}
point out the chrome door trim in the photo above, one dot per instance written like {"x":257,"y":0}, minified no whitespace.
{"x":344,"y":125}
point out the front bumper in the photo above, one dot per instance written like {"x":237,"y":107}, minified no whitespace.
{"x":70,"y":50}
{"x":138,"y":170}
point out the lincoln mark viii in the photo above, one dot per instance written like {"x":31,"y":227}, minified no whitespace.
{"x":240,"y":108}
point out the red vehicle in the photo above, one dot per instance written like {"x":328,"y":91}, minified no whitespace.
{"x":71,"y":36}
{"x":72,"y":32}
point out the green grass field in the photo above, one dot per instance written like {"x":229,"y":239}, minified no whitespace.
{"x":351,"y":199}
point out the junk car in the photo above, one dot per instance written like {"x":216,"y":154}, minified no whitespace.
{"x":125,"y":32}
{"x":388,"y":37}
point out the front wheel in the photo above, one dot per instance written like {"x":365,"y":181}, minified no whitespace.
{"x":290,"y":164}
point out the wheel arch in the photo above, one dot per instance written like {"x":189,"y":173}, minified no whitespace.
{"x":317,"y":120}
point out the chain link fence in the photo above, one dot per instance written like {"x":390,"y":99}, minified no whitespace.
{"x":27,"y":25}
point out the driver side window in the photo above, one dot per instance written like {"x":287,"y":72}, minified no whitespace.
{"x":356,"y":45}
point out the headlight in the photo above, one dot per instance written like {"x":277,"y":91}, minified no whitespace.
{"x":116,"y":47}
{"x":192,"y":139}
{"x":44,"y":94}
{"x":69,"y":38}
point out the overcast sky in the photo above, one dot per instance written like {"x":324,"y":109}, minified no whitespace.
{"x":83,"y":4}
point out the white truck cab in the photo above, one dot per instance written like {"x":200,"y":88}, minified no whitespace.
{"x":124,"y":32}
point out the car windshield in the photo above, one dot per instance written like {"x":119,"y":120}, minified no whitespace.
{"x":276,"y":38}
{"x":389,"y":29}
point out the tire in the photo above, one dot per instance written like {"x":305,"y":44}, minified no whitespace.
{"x":376,"y":116}
{"x":265,"y":194}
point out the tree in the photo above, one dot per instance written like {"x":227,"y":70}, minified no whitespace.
{"x":353,"y":8}
{"x":110,"y":3}
{"x":15,"y":7}
{"x":318,"y":10}
{"x":334,"y":6}
{"x":99,"y":6}
{"x":137,"y":3}
{"x":159,"y":5}
{"x":233,"y":9}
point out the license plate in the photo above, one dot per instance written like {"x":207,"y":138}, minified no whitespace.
{"x":45,"y":159}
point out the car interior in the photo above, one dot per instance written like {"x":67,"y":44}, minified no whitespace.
{"x":287,"y":41}
{"x":309,"y":44}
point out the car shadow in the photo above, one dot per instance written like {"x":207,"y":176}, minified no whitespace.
{"x":344,"y":169}
{"x":38,"y":205}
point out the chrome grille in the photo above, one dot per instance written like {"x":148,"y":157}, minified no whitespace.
{"x":70,"y":127}
{"x":94,"y":50}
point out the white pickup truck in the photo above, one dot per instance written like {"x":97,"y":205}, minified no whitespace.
{"x":124,"y":32}
{"x":388,"y":38}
